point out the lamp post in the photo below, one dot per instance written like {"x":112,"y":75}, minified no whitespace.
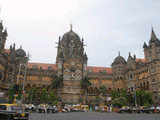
{"x":135,"y":97}
{"x":24,"y":64}
{"x":25,"y":72}
{"x":18,"y":73}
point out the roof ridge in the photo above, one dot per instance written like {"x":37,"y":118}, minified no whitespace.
{"x":41,"y":63}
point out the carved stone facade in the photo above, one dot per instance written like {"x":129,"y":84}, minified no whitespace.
{"x":140,"y":73}
{"x":71,"y":64}
{"x":10,"y":60}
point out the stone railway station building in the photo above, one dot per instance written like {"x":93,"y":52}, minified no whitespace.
{"x":71,"y":63}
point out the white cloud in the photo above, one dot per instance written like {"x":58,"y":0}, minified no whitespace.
{"x":108,"y":26}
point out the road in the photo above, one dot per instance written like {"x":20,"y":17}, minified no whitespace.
{"x":93,"y":116}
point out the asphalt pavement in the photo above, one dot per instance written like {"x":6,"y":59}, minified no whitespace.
{"x":93,"y":116}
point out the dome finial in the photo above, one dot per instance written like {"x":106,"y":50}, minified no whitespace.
{"x":71,"y":27}
{"x":153,"y":35}
{"x":129,"y":54}
{"x":118,"y":53}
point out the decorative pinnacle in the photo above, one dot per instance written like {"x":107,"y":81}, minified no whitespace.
{"x":153,"y":35}
{"x":119,"y":53}
{"x":129,"y":54}
{"x":71,"y":27}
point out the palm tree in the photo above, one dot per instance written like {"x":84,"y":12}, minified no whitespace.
{"x":85,"y":83}
{"x":13,"y":90}
{"x":52,"y":99}
{"x":44,"y":96}
{"x":11,"y":93}
{"x":143,"y":97}
{"x":57,"y":82}
{"x":103,"y":90}
{"x":32,"y":96}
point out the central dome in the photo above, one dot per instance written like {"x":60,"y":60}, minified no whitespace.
{"x":119,"y":60}
{"x":71,"y":45}
{"x":20,"y":52}
{"x":69,"y":37}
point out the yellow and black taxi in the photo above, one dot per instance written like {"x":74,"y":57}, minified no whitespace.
{"x":12,"y":112}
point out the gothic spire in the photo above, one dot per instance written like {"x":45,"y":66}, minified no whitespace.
{"x":14,"y":46}
{"x":144,"y":45}
{"x":5,"y":32}
{"x":153,"y":35}
{"x":130,"y":57}
{"x":1,"y":25}
{"x":59,"y":41}
{"x":59,"y":38}
{"x":129,"y":54}
{"x":71,"y":27}
{"x":82,"y":42}
{"x":118,"y":53}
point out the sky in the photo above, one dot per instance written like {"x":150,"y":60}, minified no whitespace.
{"x":107,"y":26}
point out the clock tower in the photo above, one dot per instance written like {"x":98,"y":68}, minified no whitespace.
{"x":71,"y":63}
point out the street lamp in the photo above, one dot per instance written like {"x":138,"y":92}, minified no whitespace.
{"x":24,"y":77}
{"x":19,"y":73}
{"x":135,"y":97}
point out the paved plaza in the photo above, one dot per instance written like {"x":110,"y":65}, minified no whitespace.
{"x":93,"y":116}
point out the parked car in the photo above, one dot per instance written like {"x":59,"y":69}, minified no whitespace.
{"x":125,"y":109}
{"x":41,"y":108}
{"x":152,"y":109}
{"x":136,"y":110}
{"x":52,"y":109}
{"x":13,"y":112}
{"x":158,"y":109}
{"x":30,"y":108}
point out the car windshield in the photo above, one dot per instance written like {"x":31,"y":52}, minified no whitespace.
{"x":16,"y":108}
{"x":3,"y":107}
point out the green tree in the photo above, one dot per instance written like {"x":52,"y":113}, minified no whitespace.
{"x":11,"y":93}
{"x":123,"y":96}
{"x":13,"y":90}
{"x":119,"y":102}
{"x":103,"y":89}
{"x":85,"y":83}
{"x":44,"y":96}
{"x":32,"y":95}
{"x":57,"y":82}
{"x":97,"y":100}
{"x":143,"y":98}
{"x":115,"y":94}
{"x":52,"y":99}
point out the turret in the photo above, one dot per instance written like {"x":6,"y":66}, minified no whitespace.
{"x":131,"y":61}
{"x":1,"y":26}
{"x":118,"y":67}
{"x":153,"y":36}
{"x":151,"y":52}
{"x":145,"y":45}
{"x":3,"y":36}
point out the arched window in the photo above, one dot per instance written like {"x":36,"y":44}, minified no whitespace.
{"x":144,"y":85}
{"x":1,"y":75}
{"x":147,"y":85}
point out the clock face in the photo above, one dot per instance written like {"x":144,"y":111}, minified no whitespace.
{"x":72,"y":70}
{"x":77,"y":75}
